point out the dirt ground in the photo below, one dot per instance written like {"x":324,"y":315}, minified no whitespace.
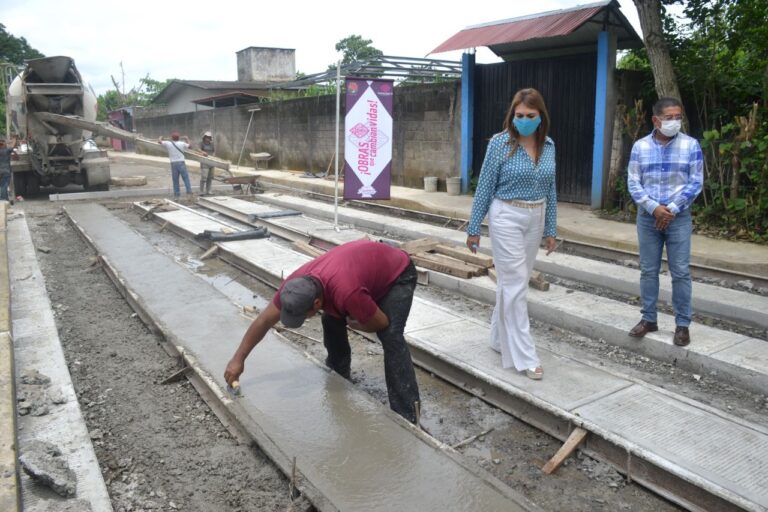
{"x":161,"y":448}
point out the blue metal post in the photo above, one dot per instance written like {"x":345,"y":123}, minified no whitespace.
{"x":601,"y":103}
{"x":467,"y":118}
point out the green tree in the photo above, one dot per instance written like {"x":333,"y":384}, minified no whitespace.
{"x":355,"y":48}
{"x":141,"y":95}
{"x":13,"y":52}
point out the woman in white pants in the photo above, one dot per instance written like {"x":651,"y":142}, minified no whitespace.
{"x":517,"y":191}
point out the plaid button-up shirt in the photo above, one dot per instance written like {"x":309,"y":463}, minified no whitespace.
{"x":668,"y":174}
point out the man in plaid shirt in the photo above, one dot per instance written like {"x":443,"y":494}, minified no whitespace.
{"x":664,"y":177}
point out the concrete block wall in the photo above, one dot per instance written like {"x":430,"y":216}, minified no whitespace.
{"x":300,"y":132}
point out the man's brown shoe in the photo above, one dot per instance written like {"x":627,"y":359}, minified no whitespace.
{"x":682,"y":337}
{"x":642,"y":328}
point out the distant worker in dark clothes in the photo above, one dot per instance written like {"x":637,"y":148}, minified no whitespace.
{"x":366,"y":285}
{"x":176,"y":150}
{"x":5,"y":167}
{"x":206,"y":171}
{"x":664,"y":176}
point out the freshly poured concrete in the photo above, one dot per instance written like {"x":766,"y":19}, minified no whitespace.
{"x":37,"y":347}
{"x":356,"y":453}
{"x":589,"y":396}
{"x":743,"y":359}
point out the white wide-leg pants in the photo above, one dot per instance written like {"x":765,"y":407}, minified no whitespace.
{"x":515,"y":238}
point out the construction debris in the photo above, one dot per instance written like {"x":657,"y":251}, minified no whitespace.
{"x":44,"y":462}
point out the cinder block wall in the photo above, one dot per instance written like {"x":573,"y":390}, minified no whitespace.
{"x":300,"y":132}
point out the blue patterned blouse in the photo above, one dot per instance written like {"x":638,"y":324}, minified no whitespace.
{"x":515,"y":177}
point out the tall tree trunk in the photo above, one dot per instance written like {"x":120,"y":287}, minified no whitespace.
{"x":664,"y":79}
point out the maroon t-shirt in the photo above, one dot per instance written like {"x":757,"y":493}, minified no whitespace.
{"x":355,"y":276}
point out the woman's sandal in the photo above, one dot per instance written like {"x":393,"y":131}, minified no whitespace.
{"x":535,"y":373}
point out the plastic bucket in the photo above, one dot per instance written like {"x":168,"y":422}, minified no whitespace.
{"x":430,"y":183}
{"x":453,"y":186}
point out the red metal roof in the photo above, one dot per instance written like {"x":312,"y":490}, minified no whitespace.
{"x":558,"y":23}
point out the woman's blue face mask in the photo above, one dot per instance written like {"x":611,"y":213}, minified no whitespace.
{"x":526,"y":126}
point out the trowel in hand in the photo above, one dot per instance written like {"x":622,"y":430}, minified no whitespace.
{"x":234,"y":389}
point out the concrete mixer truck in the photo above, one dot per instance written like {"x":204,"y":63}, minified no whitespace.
{"x":54,"y":154}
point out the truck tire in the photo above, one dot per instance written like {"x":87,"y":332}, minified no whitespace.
{"x":20,"y":183}
{"x":33,"y":184}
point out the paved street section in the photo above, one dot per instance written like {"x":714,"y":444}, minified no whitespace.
{"x":358,"y":454}
{"x":675,"y":434}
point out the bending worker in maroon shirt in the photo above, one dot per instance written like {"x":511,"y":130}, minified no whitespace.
{"x":366,"y":285}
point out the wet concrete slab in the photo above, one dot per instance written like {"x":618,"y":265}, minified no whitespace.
{"x":359,"y":455}
{"x":37,"y":348}
{"x":579,"y":391}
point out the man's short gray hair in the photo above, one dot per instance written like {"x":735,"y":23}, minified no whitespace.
{"x":666,"y":102}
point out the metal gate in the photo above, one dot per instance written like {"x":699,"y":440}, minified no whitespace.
{"x":568,"y":86}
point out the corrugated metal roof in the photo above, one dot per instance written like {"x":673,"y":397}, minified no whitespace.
{"x":552,"y":24}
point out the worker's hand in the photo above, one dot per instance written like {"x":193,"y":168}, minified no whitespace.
{"x":550,"y":244}
{"x":205,"y":154}
{"x":234,"y":369}
{"x":473,"y":242}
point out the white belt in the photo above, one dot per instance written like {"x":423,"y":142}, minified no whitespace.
{"x":525,"y":204}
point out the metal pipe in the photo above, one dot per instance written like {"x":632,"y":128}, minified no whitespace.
{"x":338,"y":115}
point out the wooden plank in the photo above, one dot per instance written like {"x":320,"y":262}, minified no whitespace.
{"x":210,"y":252}
{"x":420,"y":245}
{"x":307,"y":249}
{"x":427,"y":261}
{"x":536,"y":281}
{"x":447,"y":260}
{"x":462,"y":253}
{"x":573,"y":441}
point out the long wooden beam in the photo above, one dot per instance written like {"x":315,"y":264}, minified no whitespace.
{"x":107,"y":130}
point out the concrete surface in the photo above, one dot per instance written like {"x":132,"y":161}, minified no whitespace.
{"x":37,"y":347}
{"x":361,"y":456}
{"x":589,"y":396}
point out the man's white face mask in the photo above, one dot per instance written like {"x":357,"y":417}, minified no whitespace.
{"x":671,"y":128}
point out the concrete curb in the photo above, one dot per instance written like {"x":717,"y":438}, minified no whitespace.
{"x":10,"y":490}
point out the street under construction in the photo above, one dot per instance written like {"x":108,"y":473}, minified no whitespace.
{"x":141,"y":312}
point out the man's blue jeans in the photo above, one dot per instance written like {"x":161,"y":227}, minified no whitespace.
{"x":5,"y":180}
{"x":677,"y":238}
{"x":180,"y":168}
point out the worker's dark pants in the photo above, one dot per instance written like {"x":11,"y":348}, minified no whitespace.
{"x":398,"y":367}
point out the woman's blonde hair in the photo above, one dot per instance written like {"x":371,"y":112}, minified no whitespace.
{"x":531,"y":98}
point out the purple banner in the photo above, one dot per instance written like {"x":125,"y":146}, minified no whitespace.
{"x":368,"y":139}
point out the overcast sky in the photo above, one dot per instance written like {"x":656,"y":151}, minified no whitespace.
{"x":198,"y":41}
